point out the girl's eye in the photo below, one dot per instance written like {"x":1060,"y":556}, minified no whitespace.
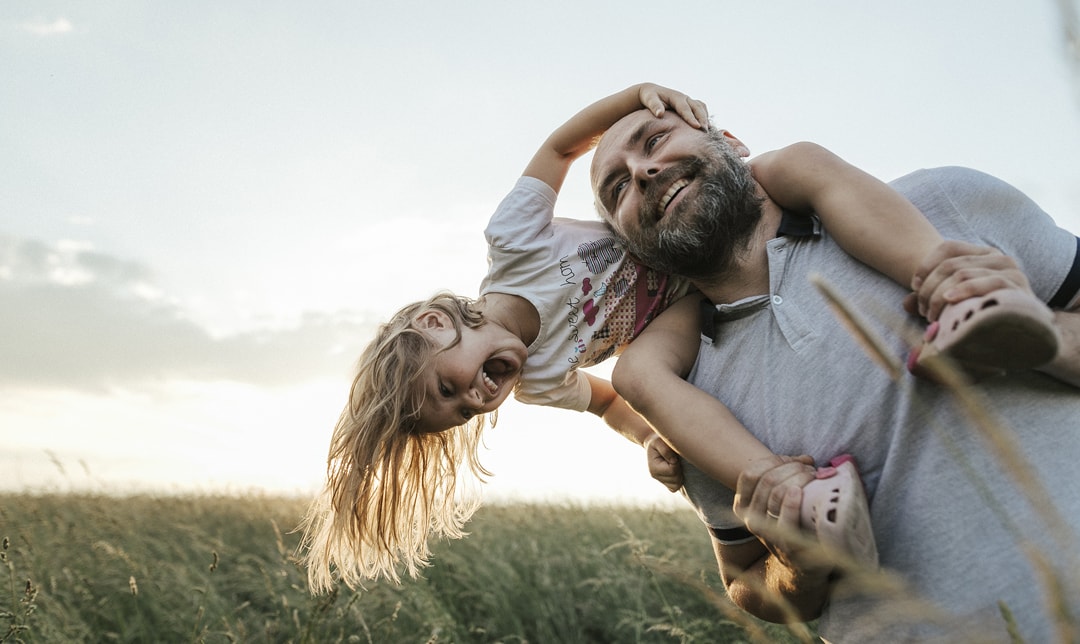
{"x":444,"y":391}
{"x":466,"y":414}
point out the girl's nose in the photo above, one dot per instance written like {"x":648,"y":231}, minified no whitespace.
{"x":473,"y":398}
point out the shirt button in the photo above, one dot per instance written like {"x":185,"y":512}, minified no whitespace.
{"x":777,"y":300}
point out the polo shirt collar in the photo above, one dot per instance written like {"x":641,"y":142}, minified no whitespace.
{"x":791,"y":225}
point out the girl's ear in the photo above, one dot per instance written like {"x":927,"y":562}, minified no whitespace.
{"x":433,"y":320}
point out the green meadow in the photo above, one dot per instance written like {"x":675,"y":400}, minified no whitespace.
{"x":95,"y":568}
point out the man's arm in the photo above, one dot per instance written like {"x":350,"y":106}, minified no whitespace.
{"x":781,"y":578}
{"x":1066,"y":366}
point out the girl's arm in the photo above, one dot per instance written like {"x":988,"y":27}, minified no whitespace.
{"x":579,"y":134}
{"x":550,"y":164}
{"x":663,"y":463}
{"x":870,"y":220}
{"x":650,"y":376}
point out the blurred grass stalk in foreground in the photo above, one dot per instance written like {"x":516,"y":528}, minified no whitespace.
{"x":1003,"y":443}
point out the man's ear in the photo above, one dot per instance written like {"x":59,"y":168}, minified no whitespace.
{"x":734,"y":142}
{"x":433,"y":320}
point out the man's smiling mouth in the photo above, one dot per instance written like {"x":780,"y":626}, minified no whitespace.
{"x":669,"y":196}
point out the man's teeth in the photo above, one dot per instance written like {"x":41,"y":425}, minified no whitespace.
{"x":670,"y":194}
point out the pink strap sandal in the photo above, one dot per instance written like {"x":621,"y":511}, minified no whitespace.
{"x":1005,"y":330}
{"x":834,"y":507}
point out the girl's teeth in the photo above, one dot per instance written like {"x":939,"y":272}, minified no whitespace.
{"x":490,"y":383}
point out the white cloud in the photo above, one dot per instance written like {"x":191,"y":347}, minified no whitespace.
{"x":112,"y":327}
{"x":41,"y":27}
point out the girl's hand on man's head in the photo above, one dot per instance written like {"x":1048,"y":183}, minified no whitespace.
{"x":657,"y":99}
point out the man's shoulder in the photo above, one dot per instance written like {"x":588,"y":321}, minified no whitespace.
{"x":961,"y":193}
{"x":956,"y":183}
{"x":944,"y":178}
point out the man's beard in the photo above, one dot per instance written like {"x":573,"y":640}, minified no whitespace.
{"x":703,"y":235}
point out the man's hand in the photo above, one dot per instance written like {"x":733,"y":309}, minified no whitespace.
{"x":664,"y":465}
{"x":768,"y":500}
{"x":955,"y":271}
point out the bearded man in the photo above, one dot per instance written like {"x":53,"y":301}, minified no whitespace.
{"x":972,"y":537}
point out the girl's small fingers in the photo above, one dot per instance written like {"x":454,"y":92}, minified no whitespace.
{"x":653,"y":101}
{"x":701,"y":112}
{"x":693,"y":112}
{"x":684,"y":107}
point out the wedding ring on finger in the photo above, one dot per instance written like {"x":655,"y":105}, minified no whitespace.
{"x":770,"y":514}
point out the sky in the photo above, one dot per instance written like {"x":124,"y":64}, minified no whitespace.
{"x":206,"y":207}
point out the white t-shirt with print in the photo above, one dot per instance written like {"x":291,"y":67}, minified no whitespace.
{"x":592,"y":297}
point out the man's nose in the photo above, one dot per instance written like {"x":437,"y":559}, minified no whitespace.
{"x":643,"y":173}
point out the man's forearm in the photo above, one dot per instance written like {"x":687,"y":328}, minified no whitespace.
{"x":1066,"y":366}
{"x":769,"y":590}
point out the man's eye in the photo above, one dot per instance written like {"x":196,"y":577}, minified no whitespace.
{"x":651,"y":143}
{"x":618,"y":188}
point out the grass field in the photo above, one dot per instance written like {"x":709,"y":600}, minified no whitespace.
{"x":222,"y":569}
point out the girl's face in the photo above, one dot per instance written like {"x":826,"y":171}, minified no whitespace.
{"x":473,"y":377}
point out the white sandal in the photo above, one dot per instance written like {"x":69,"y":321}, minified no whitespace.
{"x":834,"y":507}
{"x":1006,"y":330}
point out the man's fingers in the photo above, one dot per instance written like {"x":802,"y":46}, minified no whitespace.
{"x":761,"y":494}
{"x":944,"y":251}
{"x":955,"y":271}
{"x":966,"y":283}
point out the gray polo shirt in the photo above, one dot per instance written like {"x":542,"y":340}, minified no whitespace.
{"x":948,"y":518}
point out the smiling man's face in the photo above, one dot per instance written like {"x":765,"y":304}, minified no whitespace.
{"x":631,"y":161}
{"x":683,"y":199}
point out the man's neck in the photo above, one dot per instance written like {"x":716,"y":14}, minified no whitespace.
{"x":750,"y":274}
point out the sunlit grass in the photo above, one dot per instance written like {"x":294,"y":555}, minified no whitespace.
{"x":92,"y":568}
{"x":222,"y":569}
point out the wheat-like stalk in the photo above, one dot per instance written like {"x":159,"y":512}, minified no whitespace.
{"x":1000,"y":439}
{"x":870,"y":341}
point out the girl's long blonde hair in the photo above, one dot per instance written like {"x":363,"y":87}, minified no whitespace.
{"x":388,"y":486}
